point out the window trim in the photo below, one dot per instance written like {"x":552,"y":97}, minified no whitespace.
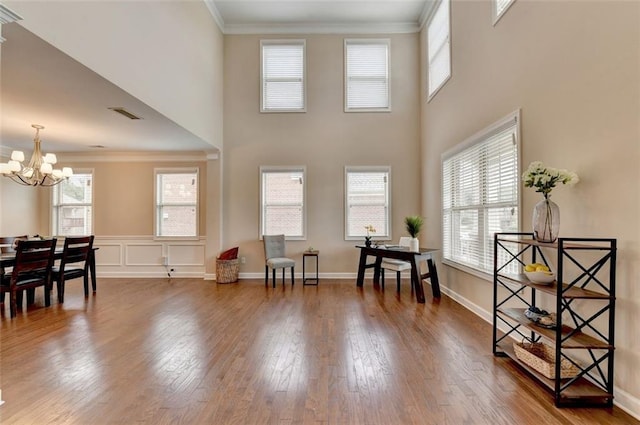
{"x":283,"y":42}
{"x":285,"y":168}
{"x":175,"y":170}
{"x":436,"y":90}
{"x":477,"y":138}
{"x":374,"y":41}
{"x":373,"y":169}
{"x":494,"y":10}
{"x":52,"y":219}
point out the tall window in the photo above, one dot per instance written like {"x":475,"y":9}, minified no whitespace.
{"x":282,"y":202}
{"x":366,"y":75}
{"x":72,"y":212}
{"x":480,"y":195}
{"x":499,"y":8}
{"x":439,"y":47}
{"x":282,"y":76}
{"x":367,"y":201}
{"x":177,"y":206}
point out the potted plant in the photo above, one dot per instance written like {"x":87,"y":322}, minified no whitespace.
{"x":413,"y":224}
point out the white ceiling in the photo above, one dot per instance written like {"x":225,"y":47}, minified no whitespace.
{"x":42,"y":85}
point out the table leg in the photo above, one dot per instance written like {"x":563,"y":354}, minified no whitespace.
{"x":416,"y":281}
{"x":92,"y":269}
{"x":376,"y":271}
{"x":433,"y":274}
{"x":361,"y":267}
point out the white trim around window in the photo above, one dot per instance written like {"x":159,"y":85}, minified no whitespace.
{"x":438,"y":48}
{"x":481,"y":195}
{"x":367,"y":77}
{"x":283,"y":201}
{"x":499,"y":8}
{"x":72,"y":205}
{"x":367,"y":202}
{"x":283,"y":76}
{"x":178,"y":205}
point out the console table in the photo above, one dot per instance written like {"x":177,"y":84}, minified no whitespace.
{"x":414,"y":258}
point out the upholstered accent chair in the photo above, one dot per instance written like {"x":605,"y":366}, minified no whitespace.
{"x":274,"y":252}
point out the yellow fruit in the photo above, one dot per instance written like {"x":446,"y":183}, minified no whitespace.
{"x":529,"y":268}
{"x":542,"y":268}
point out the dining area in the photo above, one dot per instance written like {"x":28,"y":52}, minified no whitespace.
{"x":30,"y":262}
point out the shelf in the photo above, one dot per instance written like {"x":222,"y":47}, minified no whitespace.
{"x":552,"y":289}
{"x":577,"y":340}
{"x":594,"y":386}
{"x":554,"y":245}
{"x":580,"y":389}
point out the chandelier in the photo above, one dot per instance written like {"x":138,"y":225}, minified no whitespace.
{"x":39,"y":171}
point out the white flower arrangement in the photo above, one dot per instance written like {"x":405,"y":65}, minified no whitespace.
{"x":545,"y":178}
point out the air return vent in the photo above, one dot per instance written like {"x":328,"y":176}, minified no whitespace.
{"x":125,"y":113}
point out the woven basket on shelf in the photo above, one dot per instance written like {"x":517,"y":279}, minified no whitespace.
{"x":541,"y":357}
{"x":227,"y":270}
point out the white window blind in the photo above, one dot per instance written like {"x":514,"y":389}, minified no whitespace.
{"x":367,"y":201}
{"x":499,"y":8}
{"x":72,"y":206}
{"x":366,"y":75}
{"x":282,"y":199}
{"x":439,"y":48}
{"x":177,"y":206}
{"x":282,"y":75}
{"x":480,"y":194}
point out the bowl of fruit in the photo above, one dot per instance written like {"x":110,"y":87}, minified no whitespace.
{"x":539,"y":273}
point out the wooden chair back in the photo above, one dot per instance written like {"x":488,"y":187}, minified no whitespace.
{"x":76,"y":250}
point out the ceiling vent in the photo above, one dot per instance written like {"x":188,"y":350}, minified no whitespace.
{"x":125,"y":113}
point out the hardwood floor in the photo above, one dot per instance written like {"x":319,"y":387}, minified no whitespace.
{"x":187,"y":351}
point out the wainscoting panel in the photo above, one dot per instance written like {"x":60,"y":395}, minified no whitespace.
{"x":144,"y":256}
{"x":185,"y":255}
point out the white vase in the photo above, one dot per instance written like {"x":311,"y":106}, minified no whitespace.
{"x":414,"y":245}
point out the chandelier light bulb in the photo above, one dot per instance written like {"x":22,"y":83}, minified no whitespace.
{"x":50,"y":158}
{"x":46,"y":168}
{"x":67,"y":172}
{"x":4,"y":168}
{"x":56,"y":173}
{"x":17,"y":156}
{"x":27,"y":173}
{"x":14,"y":166}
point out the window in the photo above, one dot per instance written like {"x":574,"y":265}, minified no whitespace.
{"x":177,"y":206}
{"x":72,"y":206}
{"x":282,"y":76}
{"x":480,"y":194}
{"x":282,"y":202}
{"x":366,"y":78}
{"x":499,"y":8}
{"x":439,"y":48}
{"x":367,"y":202}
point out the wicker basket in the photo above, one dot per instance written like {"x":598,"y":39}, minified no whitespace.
{"x":227,"y":270}
{"x":541,"y":357}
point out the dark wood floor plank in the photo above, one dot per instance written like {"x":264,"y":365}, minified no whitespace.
{"x":186,"y":351}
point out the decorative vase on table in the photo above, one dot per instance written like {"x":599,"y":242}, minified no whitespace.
{"x":546,"y":221}
{"x":414,"y":245}
{"x":367,"y":241}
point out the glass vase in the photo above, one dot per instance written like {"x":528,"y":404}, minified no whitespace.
{"x":546,"y":221}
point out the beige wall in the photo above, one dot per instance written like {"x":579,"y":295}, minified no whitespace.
{"x":324,"y":139}
{"x":574,"y":70}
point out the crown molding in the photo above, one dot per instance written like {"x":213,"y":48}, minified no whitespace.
{"x":216,"y":14}
{"x":427,"y":10}
{"x":71,"y":157}
{"x":7,"y":15}
{"x":323,"y":28}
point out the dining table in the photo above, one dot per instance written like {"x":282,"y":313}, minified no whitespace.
{"x":8,"y":259}
{"x":404,"y":254}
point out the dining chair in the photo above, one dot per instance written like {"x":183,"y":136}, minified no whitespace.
{"x":274,"y":248}
{"x":76,"y":254}
{"x":33,"y":264}
{"x":396,"y":265}
{"x":7,"y":243}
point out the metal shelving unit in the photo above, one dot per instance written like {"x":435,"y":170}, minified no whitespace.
{"x":584,"y":293}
